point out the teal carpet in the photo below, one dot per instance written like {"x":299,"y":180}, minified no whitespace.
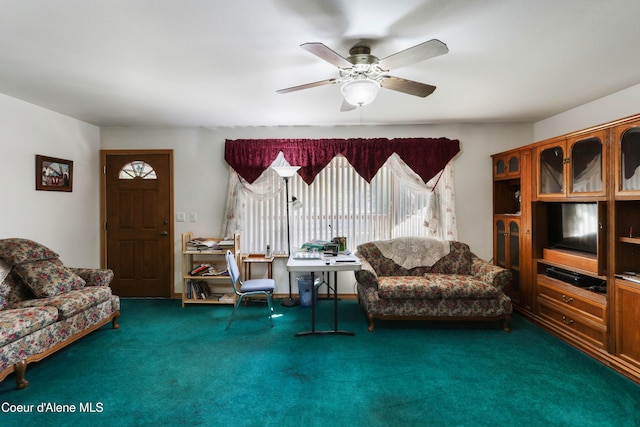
{"x":173,"y":366}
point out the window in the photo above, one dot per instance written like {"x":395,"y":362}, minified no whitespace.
{"x":340,"y":202}
{"x":137,"y":169}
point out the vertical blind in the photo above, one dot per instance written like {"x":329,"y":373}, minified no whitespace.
{"x":339,"y":202}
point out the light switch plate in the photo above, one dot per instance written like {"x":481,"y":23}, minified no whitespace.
{"x":193,"y":217}
{"x":180,"y":217}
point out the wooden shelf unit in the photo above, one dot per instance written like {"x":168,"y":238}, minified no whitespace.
{"x":218,"y":287}
{"x":604,"y":160}
{"x":632,"y":240}
{"x":512,"y":223}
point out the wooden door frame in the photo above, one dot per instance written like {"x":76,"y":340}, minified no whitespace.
{"x":103,"y":209}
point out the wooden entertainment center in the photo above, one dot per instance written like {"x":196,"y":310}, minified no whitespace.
{"x":598,"y":169}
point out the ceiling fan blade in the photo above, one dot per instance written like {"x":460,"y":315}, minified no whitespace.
{"x":407,"y":86}
{"x":323,"y":52}
{"x":346,"y":106}
{"x":307,"y":86}
{"x":417,"y":53}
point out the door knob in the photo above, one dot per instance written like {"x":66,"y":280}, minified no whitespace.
{"x":164,"y":233}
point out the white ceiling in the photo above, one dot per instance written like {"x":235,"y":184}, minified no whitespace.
{"x":219,"y":62}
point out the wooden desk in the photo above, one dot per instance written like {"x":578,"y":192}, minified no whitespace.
{"x":250,"y":259}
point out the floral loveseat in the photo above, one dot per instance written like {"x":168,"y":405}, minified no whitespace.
{"x":426,"y":279}
{"x":45,"y":306}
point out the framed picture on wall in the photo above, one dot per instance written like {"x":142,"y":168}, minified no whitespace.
{"x":53,"y":174}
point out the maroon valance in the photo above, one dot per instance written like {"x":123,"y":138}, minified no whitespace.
{"x":425,"y":156}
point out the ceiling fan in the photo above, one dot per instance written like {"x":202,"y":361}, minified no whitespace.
{"x":363,"y":74}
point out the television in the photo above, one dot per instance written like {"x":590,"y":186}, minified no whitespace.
{"x":573,"y":226}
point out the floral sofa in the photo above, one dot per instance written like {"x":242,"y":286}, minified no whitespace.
{"x":426,"y":279}
{"x":44,"y":306}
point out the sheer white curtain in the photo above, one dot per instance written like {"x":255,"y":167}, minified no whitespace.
{"x":268,"y":187}
{"x":439,"y":212}
{"x":340,"y":203}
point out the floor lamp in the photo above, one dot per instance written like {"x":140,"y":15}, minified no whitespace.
{"x":286,"y":172}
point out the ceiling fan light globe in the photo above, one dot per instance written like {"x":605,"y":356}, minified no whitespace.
{"x":360,"y":92}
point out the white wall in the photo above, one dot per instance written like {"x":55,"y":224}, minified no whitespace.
{"x":201,"y":174}
{"x":66,"y":222}
{"x":618,"y":105}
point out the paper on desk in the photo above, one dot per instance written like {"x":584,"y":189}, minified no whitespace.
{"x":346,"y":258}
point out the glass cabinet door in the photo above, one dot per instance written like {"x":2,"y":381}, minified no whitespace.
{"x":551,"y":170}
{"x":501,"y":244}
{"x":514,"y":164}
{"x":506,"y":165}
{"x":514,"y":259}
{"x":629,"y":172}
{"x":586,"y":166}
{"x":499,"y":167}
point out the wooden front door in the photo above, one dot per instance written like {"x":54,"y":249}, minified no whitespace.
{"x":138,"y":226}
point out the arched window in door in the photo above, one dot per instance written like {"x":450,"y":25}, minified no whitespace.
{"x":137,"y":170}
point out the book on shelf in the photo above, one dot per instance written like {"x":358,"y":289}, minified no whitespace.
{"x":192,"y":290}
{"x":207,"y":270}
{"x":211,"y":271}
{"x":199,"y":269}
{"x":226,"y":243}
{"x":195,"y":289}
{"x":199,"y":290}
{"x":201,"y":244}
